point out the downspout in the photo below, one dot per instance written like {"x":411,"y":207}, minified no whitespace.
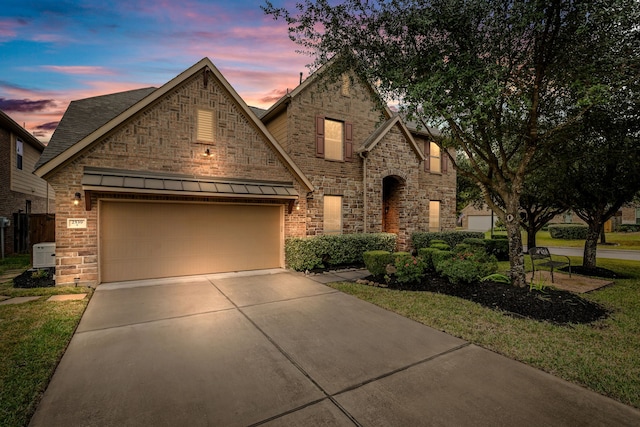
{"x":363,"y":156}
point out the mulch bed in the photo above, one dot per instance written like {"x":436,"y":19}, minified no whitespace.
{"x":556,"y":306}
{"x":27,"y":279}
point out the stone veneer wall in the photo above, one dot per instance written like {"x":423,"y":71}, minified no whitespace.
{"x":391,"y":157}
{"x":162,"y":139}
{"x":333,"y":178}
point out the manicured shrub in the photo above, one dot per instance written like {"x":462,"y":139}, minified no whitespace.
{"x":303,"y":254}
{"x":568,"y":231}
{"x":409,"y":269}
{"x":473,"y":241}
{"x":377,"y":261}
{"x":629,"y":228}
{"x":426,"y":255}
{"x":440,"y":246}
{"x":498,"y":248}
{"x":334,"y":250}
{"x":422,"y":239}
{"x":468,"y":266}
{"x":500,"y":237}
{"x":438,"y":257}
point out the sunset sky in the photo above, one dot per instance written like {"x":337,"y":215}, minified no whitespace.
{"x":55,"y":51}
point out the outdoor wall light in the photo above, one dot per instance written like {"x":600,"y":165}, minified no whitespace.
{"x":76,"y":199}
{"x":207,"y":153}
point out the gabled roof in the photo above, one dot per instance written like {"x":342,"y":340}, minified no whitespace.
{"x":383,"y":130}
{"x":85,"y":116}
{"x":78,"y":140}
{"x":7,"y":122}
{"x":276,"y":108}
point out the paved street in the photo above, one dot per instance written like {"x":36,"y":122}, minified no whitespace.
{"x":601,"y":253}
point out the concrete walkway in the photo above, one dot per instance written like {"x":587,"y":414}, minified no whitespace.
{"x":282,"y":349}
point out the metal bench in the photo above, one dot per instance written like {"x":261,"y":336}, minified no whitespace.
{"x":542,"y":254}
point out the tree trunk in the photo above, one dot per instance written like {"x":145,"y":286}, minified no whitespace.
{"x":603,"y":239}
{"x":531,"y":237}
{"x":591,"y":245}
{"x":516,"y":258}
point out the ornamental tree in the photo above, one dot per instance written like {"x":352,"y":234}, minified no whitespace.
{"x":502,"y":80}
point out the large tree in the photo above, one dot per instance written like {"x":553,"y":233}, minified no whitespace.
{"x":501,"y":79}
{"x":600,"y":170}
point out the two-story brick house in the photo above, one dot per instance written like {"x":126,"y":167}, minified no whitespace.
{"x":21,"y":192}
{"x":187,"y":179}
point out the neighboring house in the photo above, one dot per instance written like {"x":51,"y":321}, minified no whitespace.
{"x":630,"y":214}
{"x":187,"y":179}
{"x":473,"y":218}
{"x":21,"y":192}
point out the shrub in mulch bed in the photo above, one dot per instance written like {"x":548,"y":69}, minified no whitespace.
{"x":36,"y":278}
{"x":552,"y":305}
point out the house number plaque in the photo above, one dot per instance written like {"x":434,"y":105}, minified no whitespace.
{"x":76,"y":222}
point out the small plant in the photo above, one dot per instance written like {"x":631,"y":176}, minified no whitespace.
{"x":409,"y":269}
{"x":497,"y":278}
{"x":40,"y":274}
{"x":539,"y":286}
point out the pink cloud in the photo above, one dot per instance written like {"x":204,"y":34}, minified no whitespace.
{"x":9,"y":28}
{"x":79,"y":69}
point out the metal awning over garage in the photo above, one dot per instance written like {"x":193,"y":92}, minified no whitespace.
{"x":136,"y":182}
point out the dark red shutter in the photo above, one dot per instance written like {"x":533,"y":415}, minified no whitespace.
{"x":445,"y":160}
{"x":348,"y":142}
{"x":427,"y":153}
{"x":320,"y":136}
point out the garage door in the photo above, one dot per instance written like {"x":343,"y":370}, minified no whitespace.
{"x":479,"y":223}
{"x":144,"y":240}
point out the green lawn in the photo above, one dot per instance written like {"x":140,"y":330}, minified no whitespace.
{"x":604,"y":356}
{"x":625,"y":241}
{"x":33,"y":338}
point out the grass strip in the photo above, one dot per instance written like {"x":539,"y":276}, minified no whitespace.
{"x":33,"y":338}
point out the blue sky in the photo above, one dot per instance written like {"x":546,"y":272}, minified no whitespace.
{"x":52,"y":52}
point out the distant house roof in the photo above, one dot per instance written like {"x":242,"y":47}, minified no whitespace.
{"x":259,"y":112}
{"x":85,"y":116}
{"x":7,"y":122}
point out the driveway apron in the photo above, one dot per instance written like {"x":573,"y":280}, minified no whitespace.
{"x":277,"y":348}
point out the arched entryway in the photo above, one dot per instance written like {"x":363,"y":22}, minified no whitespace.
{"x":391,"y":190}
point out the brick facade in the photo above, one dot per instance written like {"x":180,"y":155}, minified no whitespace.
{"x":392,"y":157}
{"x":161,"y":139}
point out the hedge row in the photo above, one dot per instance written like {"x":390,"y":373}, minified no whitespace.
{"x":568,"y":231}
{"x":451,"y":238}
{"x":334,"y":250}
{"x":629,"y":228}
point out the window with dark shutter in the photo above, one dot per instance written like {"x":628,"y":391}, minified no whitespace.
{"x":348,"y":142}
{"x":427,"y":158}
{"x":319,"y":136}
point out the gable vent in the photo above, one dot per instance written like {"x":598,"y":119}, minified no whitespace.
{"x":205,"y":126}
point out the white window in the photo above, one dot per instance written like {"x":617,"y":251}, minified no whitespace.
{"x":638,"y":216}
{"x":434,"y":215}
{"x":333,"y":140}
{"x":332,"y":214}
{"x":205,"y":125}
{"x":435,"y":161}
{"x":19,"y":154}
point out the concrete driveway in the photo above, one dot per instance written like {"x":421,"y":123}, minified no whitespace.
{"x":281,"y":349}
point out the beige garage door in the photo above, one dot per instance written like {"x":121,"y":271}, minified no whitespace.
{"x":144,"y":240}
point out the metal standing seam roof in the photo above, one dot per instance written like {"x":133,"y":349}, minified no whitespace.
{"x":136,"y":182}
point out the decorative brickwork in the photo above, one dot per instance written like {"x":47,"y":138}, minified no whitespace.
{"x":391,"y":157}
{"x":161,"y":139}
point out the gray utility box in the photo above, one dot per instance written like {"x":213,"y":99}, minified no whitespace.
{"x":44,"y":255}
